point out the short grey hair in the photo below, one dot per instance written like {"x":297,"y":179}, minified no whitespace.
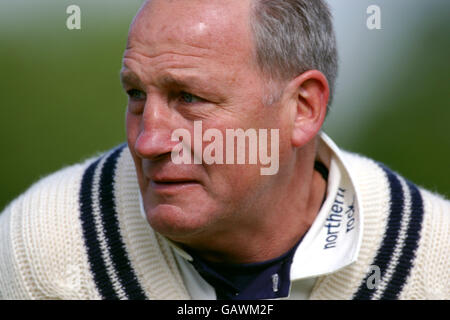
{"x":292,"y":37}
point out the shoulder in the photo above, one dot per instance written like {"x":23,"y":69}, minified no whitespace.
{"x":430,"y":275}
{"x":368,"y":171}
{"x":412,"y":240}
{"x":363,"y":169}
{"x":41,"y":237}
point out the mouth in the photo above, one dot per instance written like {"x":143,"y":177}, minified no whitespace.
{"x":172,"y":185}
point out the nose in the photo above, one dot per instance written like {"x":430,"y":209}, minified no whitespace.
{"x":154,"y":138}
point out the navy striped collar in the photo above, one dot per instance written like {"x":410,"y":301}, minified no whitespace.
{"x":110,"y":266}
{"x":395,"y":257}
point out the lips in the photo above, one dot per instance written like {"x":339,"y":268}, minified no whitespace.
{"x":172,"y":185}
{"x":164,"y":177}
{"x":172,"y":180}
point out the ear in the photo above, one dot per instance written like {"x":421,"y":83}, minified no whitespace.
{"x":308,"y":98}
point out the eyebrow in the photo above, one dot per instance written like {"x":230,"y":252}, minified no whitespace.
{"x":166,"y":81}
{"x":194,"y":84}
{"x":169,"y":81}
{"x":128,"y":76}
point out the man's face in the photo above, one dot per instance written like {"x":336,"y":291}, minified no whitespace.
{"x":192,"y":61}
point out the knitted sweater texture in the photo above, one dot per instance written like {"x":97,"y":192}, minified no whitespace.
{"x":79,"y":234}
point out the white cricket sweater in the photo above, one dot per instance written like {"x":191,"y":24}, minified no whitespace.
{"x":79,"y":234}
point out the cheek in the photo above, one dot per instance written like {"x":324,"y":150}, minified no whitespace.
{"x":132,"y":126}
{"x":235,"y":184}
{"x":285,"y":143}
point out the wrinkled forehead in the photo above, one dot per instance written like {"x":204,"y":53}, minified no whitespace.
{"x":215,"y":24}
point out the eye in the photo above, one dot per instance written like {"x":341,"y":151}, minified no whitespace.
{"x":189,"y":98}
{"x":137,"y":95}
{"x":136,"y":101}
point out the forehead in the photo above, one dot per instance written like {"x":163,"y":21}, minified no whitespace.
{"x":192,"y":25}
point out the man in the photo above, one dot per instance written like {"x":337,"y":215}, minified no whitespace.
{"x":137,"y":223}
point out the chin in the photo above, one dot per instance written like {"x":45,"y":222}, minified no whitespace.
{"x":175,"y":222}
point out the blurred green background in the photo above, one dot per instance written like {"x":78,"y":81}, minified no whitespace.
{"x":61,"y":100}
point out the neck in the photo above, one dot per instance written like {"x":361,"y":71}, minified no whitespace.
{"x":281,"y":219}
